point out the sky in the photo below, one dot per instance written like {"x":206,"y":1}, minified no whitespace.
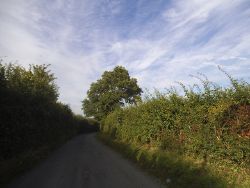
{"x":160,"y":42}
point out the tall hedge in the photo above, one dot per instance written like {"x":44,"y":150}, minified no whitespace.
{"x":211,"y":121}
{"x":30,"y":114}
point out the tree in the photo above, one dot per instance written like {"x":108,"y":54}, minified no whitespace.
{"x":114,"y":90}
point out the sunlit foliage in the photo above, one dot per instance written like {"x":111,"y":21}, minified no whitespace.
{"x":208,"y":121}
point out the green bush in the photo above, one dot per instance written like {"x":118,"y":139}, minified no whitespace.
{"x":210,"y":122}
{"x":32,"y":120}
{"x":30,"y":114}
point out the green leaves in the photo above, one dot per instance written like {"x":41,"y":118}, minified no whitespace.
{"x":212,"y":122}
{"x":36,"y":81}
{"x":113,"y":90}
{"x":30,"y":115}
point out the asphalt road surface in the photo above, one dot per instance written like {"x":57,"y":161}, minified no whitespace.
{"x":84,"y":162}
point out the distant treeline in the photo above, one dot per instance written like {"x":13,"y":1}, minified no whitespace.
{"x":30,"y":114}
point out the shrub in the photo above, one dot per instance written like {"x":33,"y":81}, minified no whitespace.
{"x":30,"y":114}
{"x":211,"y":121}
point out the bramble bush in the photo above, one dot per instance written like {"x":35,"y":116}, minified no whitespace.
{"x":209,"y":121}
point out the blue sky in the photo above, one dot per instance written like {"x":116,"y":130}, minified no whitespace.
{"x":158,"y":41}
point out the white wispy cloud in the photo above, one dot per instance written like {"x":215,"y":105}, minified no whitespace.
{"x":159,"y":42}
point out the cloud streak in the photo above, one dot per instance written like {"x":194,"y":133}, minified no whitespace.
{"x":159,"y":42}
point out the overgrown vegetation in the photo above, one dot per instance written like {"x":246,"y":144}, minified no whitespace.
{"x":209,"y":126}
{"x":32,"y":121}
{"x":174,"y":170}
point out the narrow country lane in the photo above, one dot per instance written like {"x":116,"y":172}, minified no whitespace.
{"x":84,"y":162}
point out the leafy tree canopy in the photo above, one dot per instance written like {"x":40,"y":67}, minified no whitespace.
{"x":37,"y":82}
{"x":112,"y":91}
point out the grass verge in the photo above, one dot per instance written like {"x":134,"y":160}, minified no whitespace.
{"x":179,"y":170}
